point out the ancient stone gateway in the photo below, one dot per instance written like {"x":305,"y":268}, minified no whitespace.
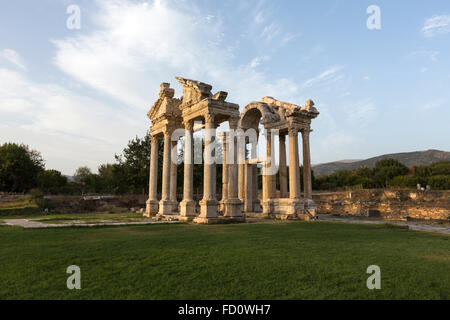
{"x":240,"y":167}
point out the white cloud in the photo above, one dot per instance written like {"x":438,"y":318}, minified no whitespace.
{"x":137,"y":46}
{"x":13,"y":57}
{"x":436,"y":25}
{"x":72,"y":129}
{"x":132,"y":48}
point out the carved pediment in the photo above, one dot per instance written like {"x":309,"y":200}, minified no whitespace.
{"x":194,"y":91}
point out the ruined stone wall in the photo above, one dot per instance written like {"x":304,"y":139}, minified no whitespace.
{"x":389,"y":204}
{"x":77,"y":204}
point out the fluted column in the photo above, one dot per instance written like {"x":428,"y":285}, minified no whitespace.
{"x":306,"y":165}
{"x":187,"y":206}
{"x":233,"y":203}
{"x":294,"y":169}
{"x":209,"y":204}
{"x":166,"y":206}
{"x":267,"y":176}
{"x":224,"y":167}
{"x":152,"y":205}
{"x":283,"y":168}
{"x":173,"y":173}
{"x":209,"y":164}
{"x":166,"y":168}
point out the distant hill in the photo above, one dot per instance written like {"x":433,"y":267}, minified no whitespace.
{"x":407,"y":158}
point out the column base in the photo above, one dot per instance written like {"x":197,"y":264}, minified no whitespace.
{"x":201,"y":220}
{"x":310,"y":208}
{"x":257,"y":206}
{"x":233,"y":208}
{"x":209,"y":209}
{"x":188,"y":209}
{"x":167,"y":208}
{"x":222,"y":206}
{"x":267,"y":208}
{"x":152,"y":207}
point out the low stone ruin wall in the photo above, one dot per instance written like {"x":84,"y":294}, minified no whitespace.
{"x":77,"y":204}
{"x":389,"y":204}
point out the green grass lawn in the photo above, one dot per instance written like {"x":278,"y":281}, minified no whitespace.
{"x":273,"y":260}
{"x":90,"y":217}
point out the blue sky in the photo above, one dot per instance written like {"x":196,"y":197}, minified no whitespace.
{"x":78,"y":96}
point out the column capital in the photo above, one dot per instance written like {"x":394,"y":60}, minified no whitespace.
{"x":293,"y":131}
{"x":233,"y":122}
{"x":188,"y":125}
{"x":154,"y":138}
{"x":209,"y":117}
{"x":306,"y":131}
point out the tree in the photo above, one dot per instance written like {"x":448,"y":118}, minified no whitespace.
{"x":133,"y":165}
{"x":51,"y":181}
{"x":387,"y":169}
{"x":82,"y":175}
{"x":19,"y":167}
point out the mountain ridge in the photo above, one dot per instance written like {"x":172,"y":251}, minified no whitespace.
{"x":414,"y":158}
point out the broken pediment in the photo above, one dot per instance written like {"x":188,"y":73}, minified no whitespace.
{"x":166,"y":105}
{"x":286,"y":109}
{"x":194,"y":91}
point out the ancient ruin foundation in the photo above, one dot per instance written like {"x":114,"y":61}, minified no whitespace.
{"x":239,"y":176}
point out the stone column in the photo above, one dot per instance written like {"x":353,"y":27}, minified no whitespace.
{"x":224,"y":171}
{"x":187,"y":206}
{"x":233,"y":205}
{"x":294,"y":169}
{"x":306,"y":165}
{"x":173,"y":175}
{"x":208,"y":204}
{"x":267,"y":177}
{"x":166,"y":205}
{"x":283,"y":168}
{"x":152,"y":202}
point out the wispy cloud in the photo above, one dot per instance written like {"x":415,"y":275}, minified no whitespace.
{"x":258,"y":60}
{"x":360,"y":113}
{"x":430,"y":54}
{"x":270,"y":31}
{"x":13,"y":57}
{"x":433,"y":104}
{"x":329,"y":75}
{"x":436,"y":25}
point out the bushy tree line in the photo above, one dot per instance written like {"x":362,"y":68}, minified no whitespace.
{"x":388,"y":173}
{"x":23,"y":169}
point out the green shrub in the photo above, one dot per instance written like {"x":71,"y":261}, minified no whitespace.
{"x":441,"y":182}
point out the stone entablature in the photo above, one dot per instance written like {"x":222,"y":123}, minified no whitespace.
{"x":240,"y":184}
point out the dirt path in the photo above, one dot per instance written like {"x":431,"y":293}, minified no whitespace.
{"x":412,"y":225}
{"x":35,"y":224}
